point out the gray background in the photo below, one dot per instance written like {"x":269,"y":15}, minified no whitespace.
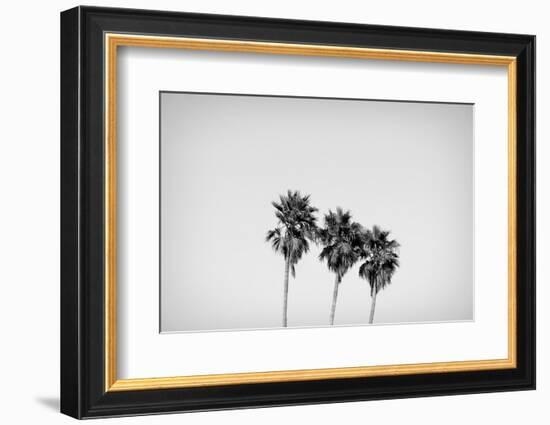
{"x":405,"y":166}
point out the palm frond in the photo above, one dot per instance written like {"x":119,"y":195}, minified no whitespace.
{"x":380,"y":256}
{"x":341,"y":240}
{"x":297,"y":226}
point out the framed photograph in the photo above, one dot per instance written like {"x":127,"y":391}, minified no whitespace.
{"x":261,"y":212}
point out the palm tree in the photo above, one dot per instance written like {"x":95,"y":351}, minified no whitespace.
{"x":295,"y":228}
{"x":341,"y":239}
{"x":381,"y":262}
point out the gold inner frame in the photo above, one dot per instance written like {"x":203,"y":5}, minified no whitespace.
{"x":113,"y":41}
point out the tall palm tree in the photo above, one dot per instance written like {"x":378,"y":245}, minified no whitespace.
{"x":381,"y":262}
{"x":295,"y":228}
{"x":341,"y":239}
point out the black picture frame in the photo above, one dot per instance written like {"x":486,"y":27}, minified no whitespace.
{"x":83,"y":392}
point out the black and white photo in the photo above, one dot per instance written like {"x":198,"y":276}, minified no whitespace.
{"x":310,"y":212}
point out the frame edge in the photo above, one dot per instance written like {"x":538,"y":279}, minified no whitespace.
{"x":70,"y":347}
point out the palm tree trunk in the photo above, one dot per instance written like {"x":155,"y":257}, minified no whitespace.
{"x":334,"y":299}
{"x":285,"y":296}
{"x":372,"y":307}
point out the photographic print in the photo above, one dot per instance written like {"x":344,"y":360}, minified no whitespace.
{"x":288,"y":212}
{"x":268,"y":212}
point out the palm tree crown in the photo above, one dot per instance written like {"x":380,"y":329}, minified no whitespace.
{"x":341,"y":239}
{"x":381,"y":259}
{"x":297,"y":226}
